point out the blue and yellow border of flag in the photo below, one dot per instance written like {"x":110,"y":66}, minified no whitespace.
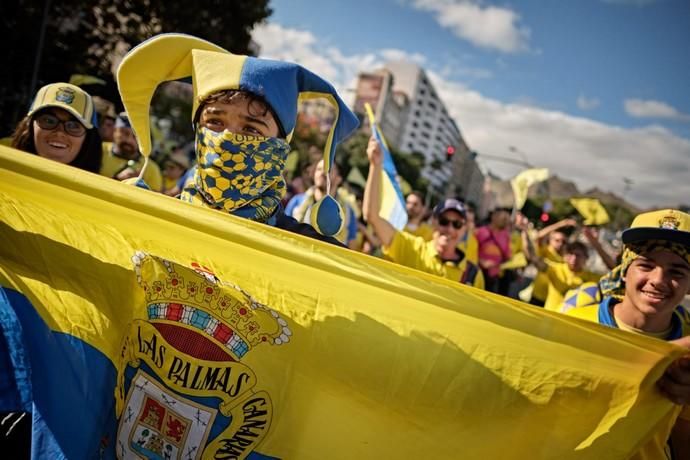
{"x":392,"y":199}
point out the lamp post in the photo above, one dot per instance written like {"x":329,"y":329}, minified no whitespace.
{"x":514,"y":149}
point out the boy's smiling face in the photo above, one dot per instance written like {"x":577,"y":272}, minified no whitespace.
{"x":657,"y":282}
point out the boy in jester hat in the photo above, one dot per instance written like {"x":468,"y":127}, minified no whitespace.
{"x":643,"y":295}
{"x":244,"y":112}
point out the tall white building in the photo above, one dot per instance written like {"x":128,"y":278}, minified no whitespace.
{"x":415,"y":119}
{"x":429,"y":129}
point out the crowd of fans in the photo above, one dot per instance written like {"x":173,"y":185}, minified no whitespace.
{"x":641,"y":293}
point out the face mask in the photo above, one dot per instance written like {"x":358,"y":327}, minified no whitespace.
{"x":238,"y":173}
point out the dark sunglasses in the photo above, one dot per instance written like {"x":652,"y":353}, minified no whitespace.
{"x":444,"y":222}
{"x":50,"y":122}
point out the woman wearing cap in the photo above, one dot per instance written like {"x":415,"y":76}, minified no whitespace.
{"x":60,"y":127}
{"x":643,"y":295}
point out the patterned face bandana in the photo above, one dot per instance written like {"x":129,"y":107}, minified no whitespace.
{"x":612,"y":284}
{"x":238,"y":173}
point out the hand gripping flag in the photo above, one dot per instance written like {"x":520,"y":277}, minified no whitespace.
{"x":138,"y":326}
{"x":392,"y":199}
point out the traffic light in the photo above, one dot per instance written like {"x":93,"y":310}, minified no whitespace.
{"x":450,"y":151}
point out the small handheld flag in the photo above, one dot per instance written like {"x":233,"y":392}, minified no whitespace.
{"x":392,"y":199}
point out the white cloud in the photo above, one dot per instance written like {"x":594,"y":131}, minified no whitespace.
{"x":640,"y":108}
{"x":585,"y":151}
{"x":576,"y":148}
{"x":490,"y":27}
{"x":393,"y":54}
{"x":587,"y":103}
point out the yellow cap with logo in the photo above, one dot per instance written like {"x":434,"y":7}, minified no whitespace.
{"x":668,"y":224}
{"x":68,"y":97}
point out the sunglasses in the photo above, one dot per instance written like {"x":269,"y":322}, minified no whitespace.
{"x":50,"y":122}
{"x":444,"y":222}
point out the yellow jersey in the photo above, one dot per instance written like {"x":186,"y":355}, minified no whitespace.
{"x":470,"y":246}
{"x":561,"y":280}
{"x":424,"y":230}
{"x":541,"y":282}
{"x":414,"y":252}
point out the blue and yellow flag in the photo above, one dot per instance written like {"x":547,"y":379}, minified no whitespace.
{"x":138,"y":326}
{"x":392,"y":199}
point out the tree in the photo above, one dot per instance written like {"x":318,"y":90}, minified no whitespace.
{"x":91,"y":38}
{"x":353,"y":153}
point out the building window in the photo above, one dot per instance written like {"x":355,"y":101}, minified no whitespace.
{"x":432,"y":105}
{"x":425,"y":135}
{"x":427,"y":125}
{"x":415,"y":124}
{"x":422,"y":92}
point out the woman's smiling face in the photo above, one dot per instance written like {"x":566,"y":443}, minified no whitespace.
{"x":55,"y":135}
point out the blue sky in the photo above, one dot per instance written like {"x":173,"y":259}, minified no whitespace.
{"x":584,"y":87}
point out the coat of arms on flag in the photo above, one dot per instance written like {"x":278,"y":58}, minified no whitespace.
{"x":181,"y":380}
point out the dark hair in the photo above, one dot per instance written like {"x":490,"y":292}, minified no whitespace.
{"x":88,"y":158}
{"x":573,"y":246}
{"x":256,"y":105}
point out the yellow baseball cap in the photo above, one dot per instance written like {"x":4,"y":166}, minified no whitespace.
{"x":668,"y":224}
{"x":67,"y":97}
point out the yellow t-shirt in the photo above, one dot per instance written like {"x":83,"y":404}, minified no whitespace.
{"x":470,"y":246}
{"x":657,"y":447}
{"x":414,"y":252}
{"x":111,"y":165}
{"x":424,"y":230}
{"x":561,"y":280}
{"x":169,"y":183}
{"x":541,"y":282}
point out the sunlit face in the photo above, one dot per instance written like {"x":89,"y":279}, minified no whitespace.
{"x":239,"y":116}
{"x":126,"y":142}
{"x":414,"y":206}
{"x":447,"y":230}
{"x":657,"y":282}
{"x":576,"y":259}
{"x":557,"y":241}
{"x":56,"y":144}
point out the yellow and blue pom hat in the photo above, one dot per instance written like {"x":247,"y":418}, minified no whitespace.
{"x":169,"y":57}
{"x":582,"y":296}
{"x":68,"y":97}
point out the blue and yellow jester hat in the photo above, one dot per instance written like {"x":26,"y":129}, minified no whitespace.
{"x":169,"y":57}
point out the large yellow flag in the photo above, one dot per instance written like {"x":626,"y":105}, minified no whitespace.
{"x":521,"y":183}
{"x":138,"y":325}
{"x":592,"y":210}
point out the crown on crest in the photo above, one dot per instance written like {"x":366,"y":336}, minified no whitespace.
{"x":195,"y":297}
